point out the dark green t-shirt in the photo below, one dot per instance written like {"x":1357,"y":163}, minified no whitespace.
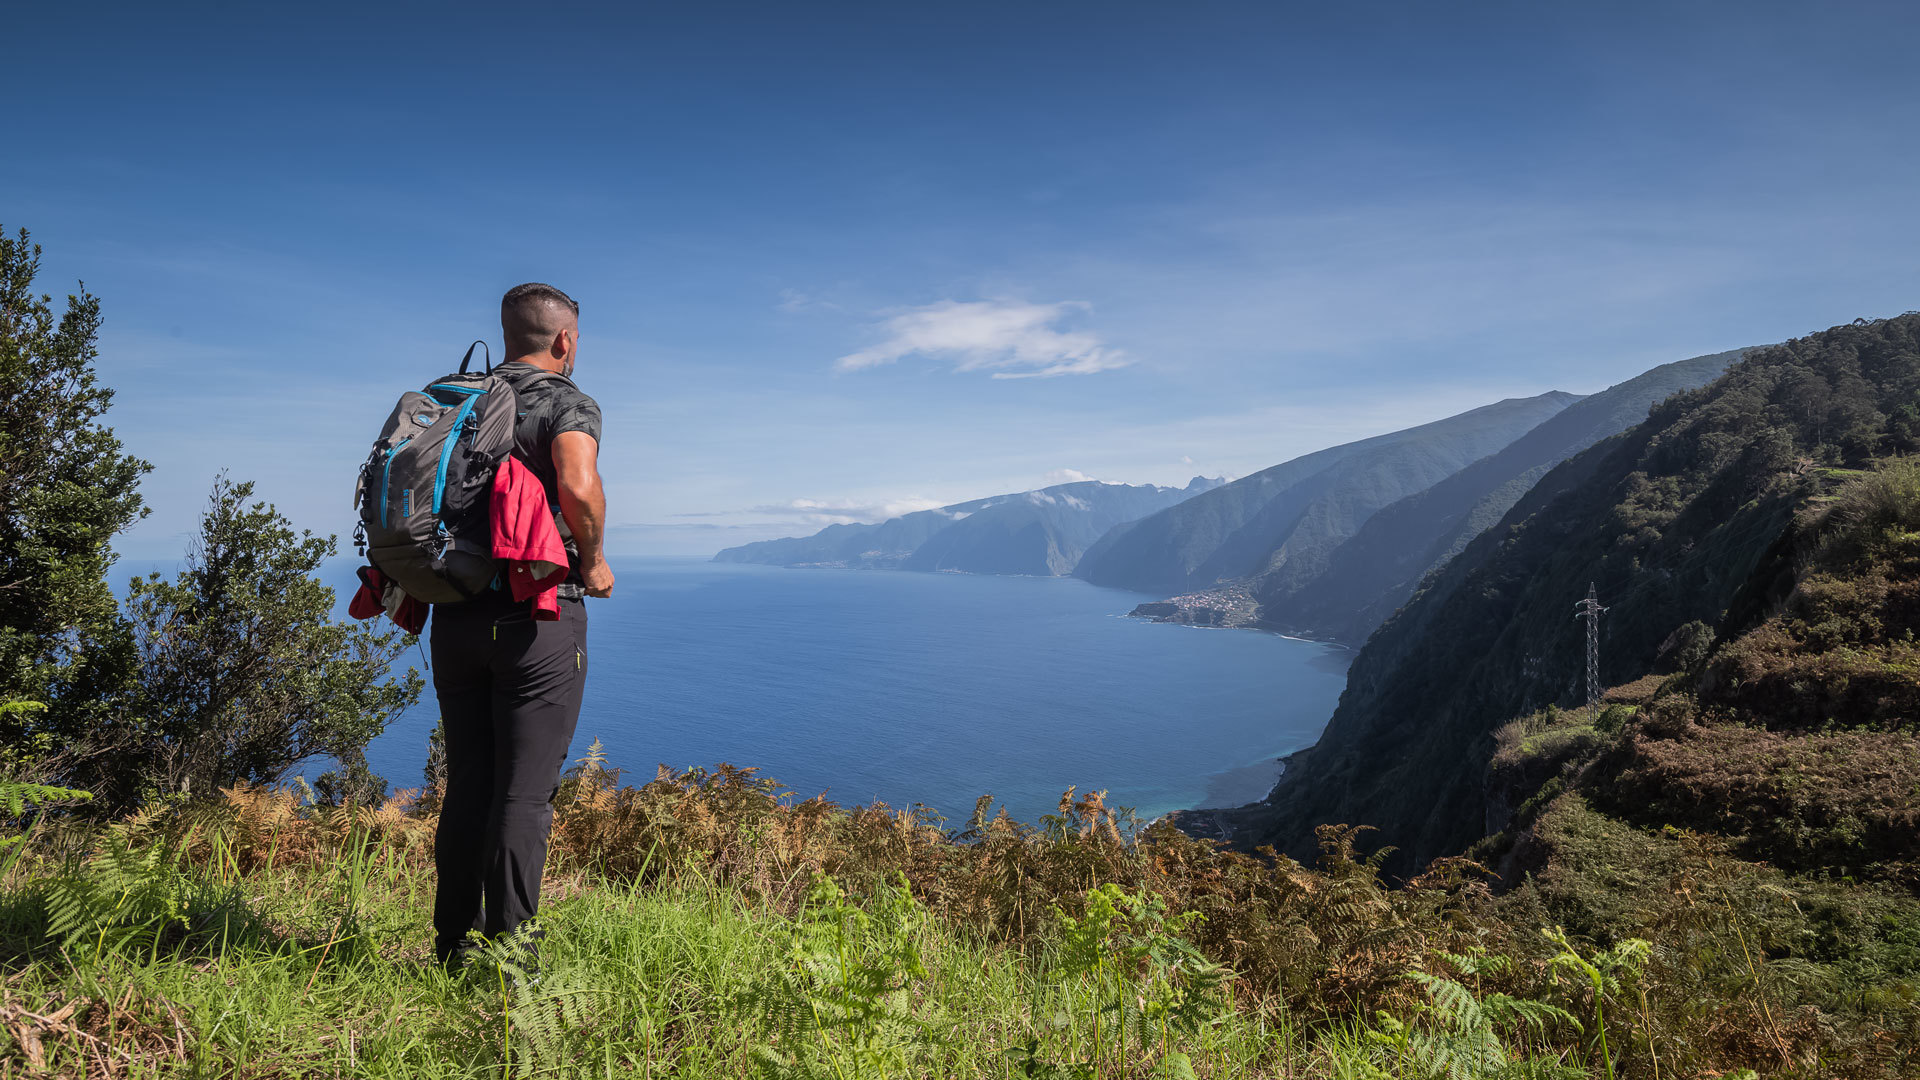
{"x":547,"y":408}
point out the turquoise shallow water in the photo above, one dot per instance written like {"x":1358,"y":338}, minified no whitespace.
{"x":932,"y":688}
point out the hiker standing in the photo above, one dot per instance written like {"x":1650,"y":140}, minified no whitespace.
{"x":509,"y":682}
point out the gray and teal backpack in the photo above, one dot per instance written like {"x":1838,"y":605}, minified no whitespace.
{"x":423,"y":493}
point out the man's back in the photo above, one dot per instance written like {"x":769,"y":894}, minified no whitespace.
{"x":509,"y":677}
{"x":548,"y":407}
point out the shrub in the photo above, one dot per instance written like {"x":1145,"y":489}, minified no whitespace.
{"x":66,"y":490}
{"x":245,"y":672}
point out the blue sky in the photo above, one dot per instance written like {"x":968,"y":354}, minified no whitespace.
{"x":837,"y":260}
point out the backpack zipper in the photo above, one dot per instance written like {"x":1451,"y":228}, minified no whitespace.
{"x":453,"y":436}
{"x":386,"y":474}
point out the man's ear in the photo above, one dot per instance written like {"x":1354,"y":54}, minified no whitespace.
{"x":557,"y":348}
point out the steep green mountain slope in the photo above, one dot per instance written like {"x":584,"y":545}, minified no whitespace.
{"x":1671,"y":520}
{"x":1763,"y":800}
{"x":1788,"y":730}
{"x":1369,"y":576}
{"x":1041,"y":532}
{"x":1286,"y":520}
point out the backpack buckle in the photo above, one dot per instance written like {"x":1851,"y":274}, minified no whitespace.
{"x":360,"y":538}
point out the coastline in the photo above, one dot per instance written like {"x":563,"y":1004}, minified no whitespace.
{"x":1221,"y":823}
{"x":1225,"y":608}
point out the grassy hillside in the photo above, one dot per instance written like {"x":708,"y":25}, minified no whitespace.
{"x":701,"y":926}
{"x":1370,"y":575}
{"x":1794,"y":735}
{"x":1776,"y":769}
{"x":1673,"y":521}
{"x":1285,"y":521}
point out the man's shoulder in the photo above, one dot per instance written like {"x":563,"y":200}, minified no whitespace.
{"x":555,"y":404}
{"x":531,"y":383}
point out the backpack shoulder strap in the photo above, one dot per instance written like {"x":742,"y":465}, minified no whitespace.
{"x":537,"y":375}
{"x":543,"y":375}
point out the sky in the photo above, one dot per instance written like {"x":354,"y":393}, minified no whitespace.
{"x":837,"y":261}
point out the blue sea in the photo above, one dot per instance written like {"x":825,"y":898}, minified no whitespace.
{"x":929,"y":688}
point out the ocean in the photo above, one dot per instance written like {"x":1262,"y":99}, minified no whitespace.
{"x":928,"y":688}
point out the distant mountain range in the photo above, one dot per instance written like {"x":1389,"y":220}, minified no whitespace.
{"x":1283,"y":523}
{"x":1331,"y":544}
{"x":1326,"y":545}
{"x":1369,"y":576}
{"x":1041,"y":533}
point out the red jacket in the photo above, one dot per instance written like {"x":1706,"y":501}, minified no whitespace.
{"x":377,"y":594}
{"x":524,"y":536}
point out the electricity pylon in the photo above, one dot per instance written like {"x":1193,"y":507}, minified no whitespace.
{"x":1591,"y":609}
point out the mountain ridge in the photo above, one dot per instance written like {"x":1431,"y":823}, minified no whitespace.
{"x":1375,"y":570}
{"x":1293,"y":514}
{"x":1041,"y":532}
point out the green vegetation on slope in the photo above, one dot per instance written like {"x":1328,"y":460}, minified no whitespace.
{"x":1776,"y":771}
{"x":701,"y":926}
{"x":1671,"y":520}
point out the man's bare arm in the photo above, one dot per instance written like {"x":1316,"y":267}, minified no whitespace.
{"x":584,"y":505}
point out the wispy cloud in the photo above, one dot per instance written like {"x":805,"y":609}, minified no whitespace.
{"x":844,"y":511}
{"x":1066,"y":476}
{"x":793,"y":301}
{"x":1008,"y":338}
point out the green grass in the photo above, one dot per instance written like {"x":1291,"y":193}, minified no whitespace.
{"x":276,"y":974}
{"x":702,"y":926}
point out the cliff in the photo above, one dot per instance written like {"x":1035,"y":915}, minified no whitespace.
{"x":1673,"y":521}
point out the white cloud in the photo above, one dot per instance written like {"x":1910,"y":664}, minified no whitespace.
{"x":793,"y":301}
{"x":845,"y":511}
{"x":1065,"y":476}
{"x":1009,"y":338}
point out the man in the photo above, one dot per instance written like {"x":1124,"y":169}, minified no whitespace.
{"x":510,"y":686}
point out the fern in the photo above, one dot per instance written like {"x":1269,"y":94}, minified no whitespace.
{"x":524,"y":1017}
{"x":843,"y":994}
{"x":14,"y":800}
{"x":1130,"y":951}
{"x":16,"y":796}
{"x":1603,"y":971}
{"x":120,"y":896}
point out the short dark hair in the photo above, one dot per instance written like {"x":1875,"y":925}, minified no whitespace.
{"x":531,"y":314}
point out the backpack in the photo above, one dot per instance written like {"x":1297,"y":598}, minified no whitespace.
{"x":423,"y":493}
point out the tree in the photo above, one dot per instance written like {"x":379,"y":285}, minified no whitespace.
{"x":66,"y":490}
{"x":245,"y":672}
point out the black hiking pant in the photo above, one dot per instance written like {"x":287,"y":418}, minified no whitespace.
{"x":509,"y":690}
